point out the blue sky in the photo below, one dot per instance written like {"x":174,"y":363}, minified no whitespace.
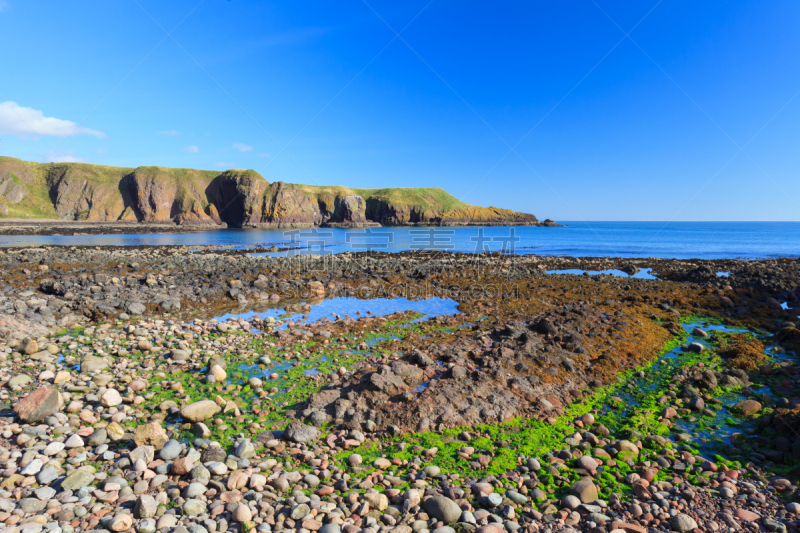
{"x":545,"y":106}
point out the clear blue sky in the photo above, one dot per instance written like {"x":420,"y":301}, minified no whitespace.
{"x":703,"y":96}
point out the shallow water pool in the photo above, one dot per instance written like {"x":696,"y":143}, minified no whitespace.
{"x":346,"y":306}
{"x":642,"y":274}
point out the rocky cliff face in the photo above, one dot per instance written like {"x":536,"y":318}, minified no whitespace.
{"x":236,"y":198}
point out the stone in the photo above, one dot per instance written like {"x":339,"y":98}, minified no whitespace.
{"x":110,"y":398}
{"x":47,"y":475}
{"x":45,"y":493}
{"x":300,"y":511}
{"x":121,"y":522}
{"x":194,"y":507}
{"x":570,"y":502}
{"x":242,"y":513}
{"x":585,"y":490}
{"x":747,"y":407}
{"x":91,"y":363}
{"x":143,"y":453}
{"x":682,"y":523}
{"x":98,"y":437}
{"x":151,"y":434}
{"x":145,"y":507}
{"x":77,"y":479}
{"x":182,"y":466}
{"x":20,"y":380}
{"x":745,"y":515}
{"x":626,"y":446}
{"x":115,"y":432}
{"x":31,"y":505}
{"x":588,"y":464}
{"x":245,"y":449}
{"x":28,"y":346}
{"x":218,"y":372}
{"x":32,"y":468}
{"x":146,"y":526}
{"x":376,"y":501}
{"x":199,"y":411}
{"x":136,"y":308}
{"x":301,"y":433}
{"x":171,"y":450}
{"x":443,"y":508}
{"x":39,"y":404}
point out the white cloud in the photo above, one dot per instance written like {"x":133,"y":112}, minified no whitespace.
{"x":100,"y":151}
{"x":169,"y":133}
{"x":192,"y":149}
{"x":224,"y":165}
{"x":25,"y":122}
{"x":3,"y":5}
{"x":242,"y":147}
{"x":63,"y":156}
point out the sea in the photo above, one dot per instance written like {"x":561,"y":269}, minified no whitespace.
{"x":674,"y":240}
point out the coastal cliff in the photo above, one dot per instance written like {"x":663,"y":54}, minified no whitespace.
{"x":233,"y":198}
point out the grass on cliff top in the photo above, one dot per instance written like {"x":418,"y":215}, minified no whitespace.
{"x":423,"y":197}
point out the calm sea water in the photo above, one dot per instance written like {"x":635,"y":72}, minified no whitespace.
{"x":703,"y":240}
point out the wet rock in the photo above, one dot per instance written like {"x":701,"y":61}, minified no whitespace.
{"x":748,"y":407}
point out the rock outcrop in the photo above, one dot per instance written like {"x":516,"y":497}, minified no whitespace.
{"x":235,"y":198}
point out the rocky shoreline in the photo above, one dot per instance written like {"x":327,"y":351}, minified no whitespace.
{"x":71,"y":227}
{"x":551,"y":402}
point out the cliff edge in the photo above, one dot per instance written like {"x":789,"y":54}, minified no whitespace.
{"x":234,"y":198}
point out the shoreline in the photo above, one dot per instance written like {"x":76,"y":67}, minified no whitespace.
{"x":44,"y":227}
{"x":579,"y":401}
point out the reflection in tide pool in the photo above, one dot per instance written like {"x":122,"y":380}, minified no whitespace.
{"x":642,"y":274}
{"x":346,"y":306}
